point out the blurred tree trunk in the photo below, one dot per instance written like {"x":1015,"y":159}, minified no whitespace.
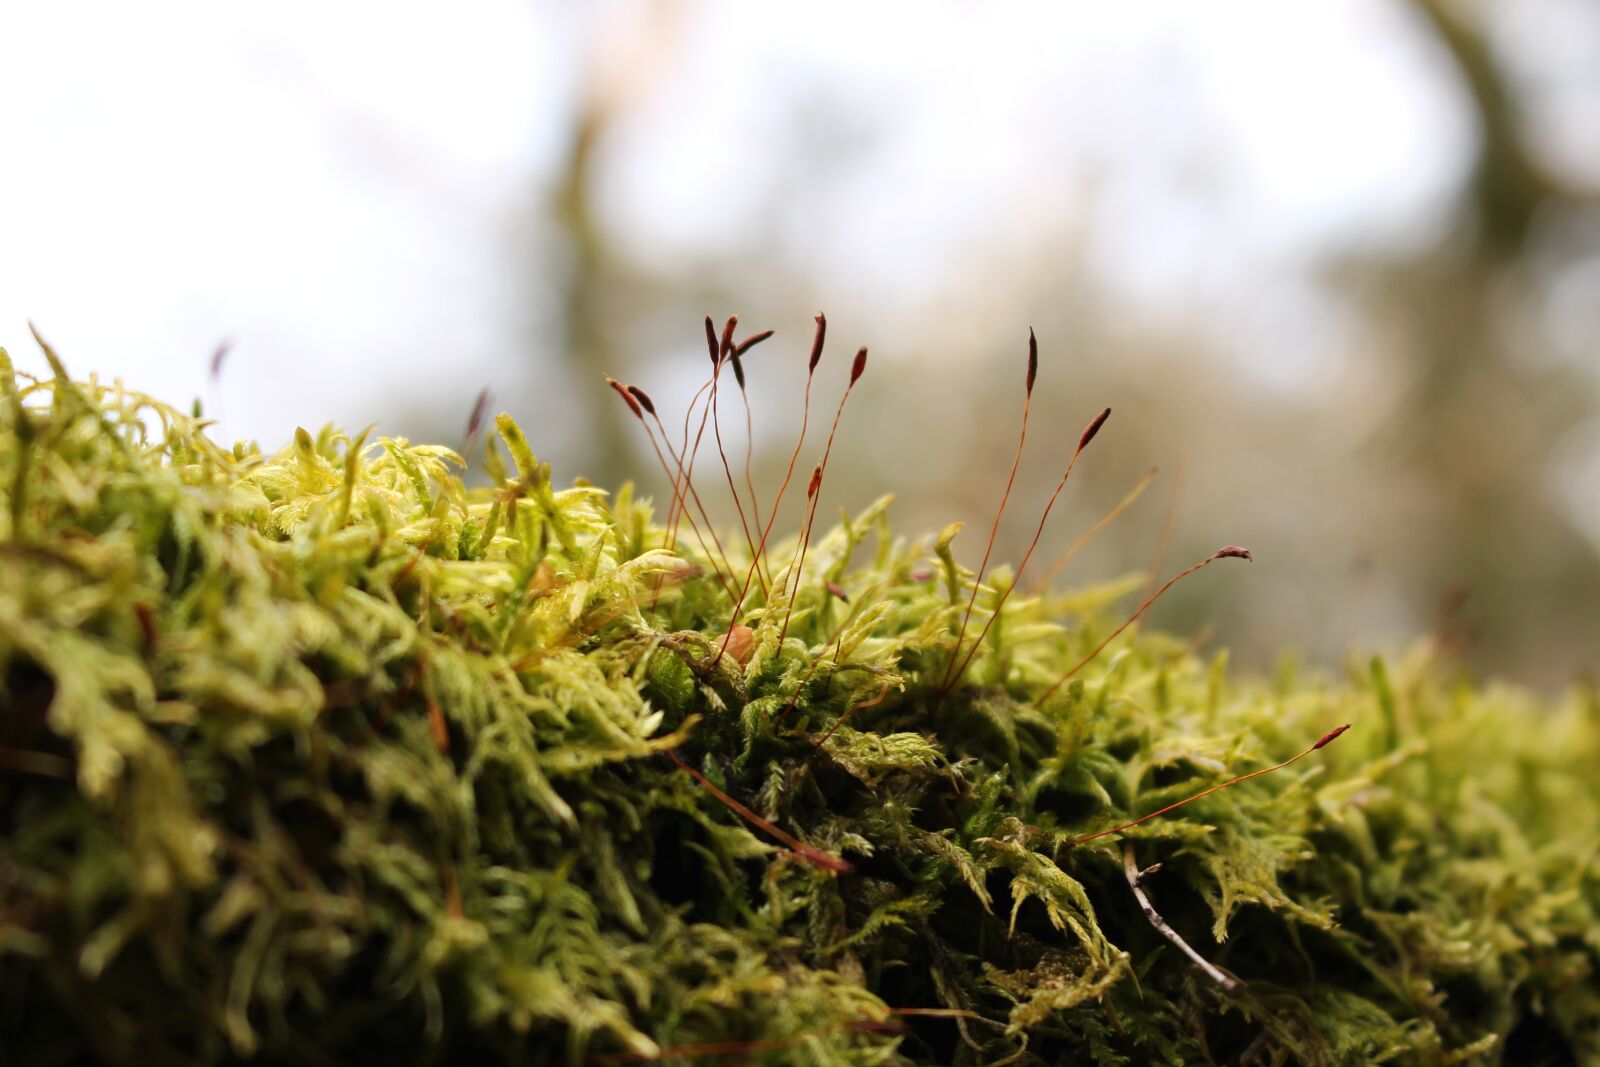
{"x":1486,"y":409}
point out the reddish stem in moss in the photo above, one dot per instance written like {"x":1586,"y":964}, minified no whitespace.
{"x":1089,"y":535}
{"x":719,"y":360}
{"x":1328,"y":737}
{"x":684,"y":460}
{"x":994,"y":527}
{"x":1158,"y":561}
{"x":814,"y":856}
{"x":788,"y":474}
{"x":813,"y":493}
{"x":639,"y":403}
{"x":759,"y":555}
{"x":750,"y":436}
{"x":871,"y":702}
{"x":1228,"y":552}
{"x":1087,"y":436}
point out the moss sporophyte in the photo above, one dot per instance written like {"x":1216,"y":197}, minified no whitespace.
{"x":325,"y":756}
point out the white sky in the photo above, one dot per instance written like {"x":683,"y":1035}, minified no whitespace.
{"x":339,"y":188}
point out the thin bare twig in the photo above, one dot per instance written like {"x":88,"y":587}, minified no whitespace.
{"x":1135,"y":878}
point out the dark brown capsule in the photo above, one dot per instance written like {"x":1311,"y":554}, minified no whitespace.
{"x":1033,"y":359}
{"x":816,"y":342}
{"x":643,"y":398}
{"x":1329,"y":736}
{"x":1093,"y":428}
{"x":1235,"y":552}
{"x":859,"y":367}
{"x":711,"y":342}
{"x":627,"y":397}
{"x":750,"y":342}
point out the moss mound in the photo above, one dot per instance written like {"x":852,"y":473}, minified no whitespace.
{"x":325,"y":757}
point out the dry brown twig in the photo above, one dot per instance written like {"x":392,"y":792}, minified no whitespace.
{"x":1136,"y":878}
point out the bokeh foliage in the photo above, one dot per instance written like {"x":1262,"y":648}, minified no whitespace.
{"x":324,"y":757}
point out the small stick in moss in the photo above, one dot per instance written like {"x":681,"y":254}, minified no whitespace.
{"x":814,"y":856}
{"x":994,"y":527}
{"x":1087,"y":436}
{"x":1135,"y":879}
{"x":1326,"y":738}
{"x":1227,"y":552}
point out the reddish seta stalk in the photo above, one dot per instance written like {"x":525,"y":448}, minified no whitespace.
{"x":638,"y":402}
{"x":1327,"y":738}
{"x":772,"y":516}
{"x":1092,"y":532}
{"x":1227,"y":552}
{"x":857,"y":369}
{"x":720,"y":358}
{"x":994,"y":527}
{"x":815,"y":857}
{"x":1087,"y":436}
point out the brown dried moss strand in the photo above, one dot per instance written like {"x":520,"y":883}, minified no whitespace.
{"x":1033,"y":360}
{"x":682,"y":504}
{"x":750,"y":437}
{"x":750,"y":342}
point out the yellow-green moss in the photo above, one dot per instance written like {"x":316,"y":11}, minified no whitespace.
{"x":324,"y":757}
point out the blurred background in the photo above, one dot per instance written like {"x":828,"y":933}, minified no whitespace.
{"x":1335,"y":264}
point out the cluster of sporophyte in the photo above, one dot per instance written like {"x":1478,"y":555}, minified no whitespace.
{"x":323,"y":757}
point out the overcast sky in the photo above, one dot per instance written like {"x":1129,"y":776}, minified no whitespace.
{"x":336,"y":187}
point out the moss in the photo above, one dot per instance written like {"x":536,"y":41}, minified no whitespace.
{"x":325,"y":757}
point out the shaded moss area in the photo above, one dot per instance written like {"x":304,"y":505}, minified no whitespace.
{"x":323,"y":757}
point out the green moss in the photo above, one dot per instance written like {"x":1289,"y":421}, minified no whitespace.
{"x":324,"y":757}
